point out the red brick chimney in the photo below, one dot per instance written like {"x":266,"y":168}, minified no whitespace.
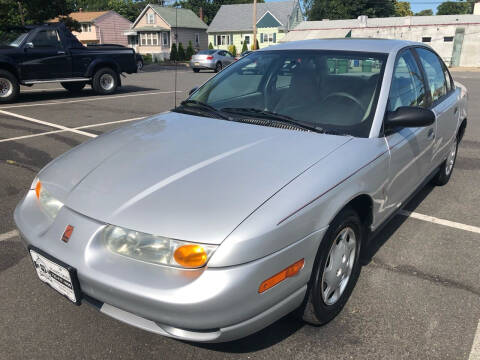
{"x":200,"y":13}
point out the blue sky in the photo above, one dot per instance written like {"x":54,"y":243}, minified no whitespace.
{"x":416,"y":5}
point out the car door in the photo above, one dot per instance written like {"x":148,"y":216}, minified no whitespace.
{"x":45,"y":57}
{"x":410,"y":148}
{"x":229,"y":58}
{"x":444,"y":104}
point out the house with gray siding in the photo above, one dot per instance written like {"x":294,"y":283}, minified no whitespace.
{"x":158,"y":27}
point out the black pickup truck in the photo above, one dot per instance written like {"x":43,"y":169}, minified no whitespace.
{"x":50,"y":53}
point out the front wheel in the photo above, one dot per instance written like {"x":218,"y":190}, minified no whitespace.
{"x":105,"y":81}
{"x":139,"y":65}
{"x":336,"y":269}
{"x":446,"y":169}
{"x":218,"y":67}
{"x":73,"y":87}
{"x":9,"y":87}
{"x":196,"y":70}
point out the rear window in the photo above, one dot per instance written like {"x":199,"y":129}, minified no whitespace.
{"x":206,"y":52}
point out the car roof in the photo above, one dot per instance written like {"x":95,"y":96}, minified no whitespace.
{"x":346,"y":44}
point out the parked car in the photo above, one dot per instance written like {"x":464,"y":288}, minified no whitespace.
{"x":257,"y":196}
{"x":50,"y":53}
{"x":214,"y":60}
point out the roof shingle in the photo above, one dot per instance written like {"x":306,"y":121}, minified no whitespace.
{"x":185,"y":18}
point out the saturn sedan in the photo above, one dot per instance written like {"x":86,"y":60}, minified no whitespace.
{"x":254,"y":198}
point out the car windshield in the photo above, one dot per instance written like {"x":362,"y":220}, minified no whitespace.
{"x":18,"y":40}
{"x":335,"y":91}
{"x":206,"y":52}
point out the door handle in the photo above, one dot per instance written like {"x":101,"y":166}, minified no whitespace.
{"x":455,"y":110}
{"x":60,"y":52}
{"x":430,"y":134}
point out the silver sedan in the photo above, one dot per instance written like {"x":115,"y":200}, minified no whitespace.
{"x":257,"y":196}
{"x":214,"y":60}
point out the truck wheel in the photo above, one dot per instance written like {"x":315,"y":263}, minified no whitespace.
{"x":9,"y":87}
{"x":73,"y":87}
{"x":139,"y":65}
{"x":105,"y":81}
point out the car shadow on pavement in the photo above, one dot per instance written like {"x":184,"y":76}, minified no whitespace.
{"x":26,"y":97}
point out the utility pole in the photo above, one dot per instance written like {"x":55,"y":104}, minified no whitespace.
{"x":254,"y":19}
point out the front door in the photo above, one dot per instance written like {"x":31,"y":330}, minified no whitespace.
{"x":410,"y":148}
{"x":45,"y":57}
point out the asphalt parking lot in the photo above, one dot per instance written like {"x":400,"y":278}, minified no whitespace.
{"x":417,"y":298}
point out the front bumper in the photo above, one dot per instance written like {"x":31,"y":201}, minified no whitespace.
{"x":207,"y":64}
{"x":204,"y":305}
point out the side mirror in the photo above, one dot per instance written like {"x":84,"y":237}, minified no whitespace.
{"x":409,"y":116}
{"x":29,"y":45}
{"x":193,"y":90}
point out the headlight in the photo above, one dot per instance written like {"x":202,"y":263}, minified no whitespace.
{"x":48,"y":203}
{"x":156,"y":249}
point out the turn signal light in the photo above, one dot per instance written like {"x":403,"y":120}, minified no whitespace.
{"x":190,"y":256}
{"x":282,"y":275}
{"x":209,"y":57}
{"x":38,"y":188}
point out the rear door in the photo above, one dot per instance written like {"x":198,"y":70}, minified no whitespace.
{"x":410,"y":148}
{"x":45,"y":56}
{"x":444,"y":104}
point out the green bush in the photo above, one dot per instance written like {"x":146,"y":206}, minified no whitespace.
{"x":181,"y":52}
{"x":232,"y":49}
{"x":210,"y":46}
{"x":244,"y":47}
{"x":174,"y":53}
{"x":147,"y":59}
{"x":256,"y":47}
{"x":190,"y":51}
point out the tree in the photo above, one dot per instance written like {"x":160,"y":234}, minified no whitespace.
{"x":127,"y":8}
{"x":426,"y":12}
{"x":244,"y":47}
{"x":210,"y":46}
{"x":181,"y":52}
{"x":348,"y":9}
{"x":402,"y":8}
{"x":190,"y":51}
{"x":455,"y":8}
{"x":174,"y":53}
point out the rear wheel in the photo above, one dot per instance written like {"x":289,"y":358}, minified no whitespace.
{"x":139,"y":65}
{"x":105,"y":81}
{"x":9,"y":87}
{"x":218,"y":67}
{"x":336,"y":269}
{"x":196,"y":70}
{"x":446,"y":169}
{"x":73,"y":87}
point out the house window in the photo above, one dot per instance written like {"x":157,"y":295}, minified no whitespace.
{"x":448,"y":38}
{"x":270,"y":38}
{"x":247,"y":39}
{"x":223,"y":39}
{"x":86,"y":27}
{"x":149,"y":38}
{"x":197,"y":39}
{"x":426,"y":39}
{"x":151,"y":18}
{"x":165,"y":39}
{"x":265,"y":37}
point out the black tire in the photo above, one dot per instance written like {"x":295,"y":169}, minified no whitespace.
{"x":315,"y":310}
{"x":9,"y":86}
{"x":74,"y":87}
{"x":446,"y":169}
{"x":218,"y":67}
{"x":105,"y":81}
{"x":196,"y":70}
{"x":139,"y":65}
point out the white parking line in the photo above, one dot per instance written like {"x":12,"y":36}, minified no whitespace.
{"x":95,"y":98}
{"x":475,"y":352}
{"x":70,"y":129}
{"x":9,"y":235}
{"x":438,"y":221}
{"x":46,"y":123}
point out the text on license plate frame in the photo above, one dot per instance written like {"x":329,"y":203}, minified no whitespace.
{"x":53,"y":272}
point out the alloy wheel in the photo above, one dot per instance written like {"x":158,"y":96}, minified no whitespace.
{"x":6,"y":87}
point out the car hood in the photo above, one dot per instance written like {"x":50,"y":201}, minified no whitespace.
{"x":183,"y":176}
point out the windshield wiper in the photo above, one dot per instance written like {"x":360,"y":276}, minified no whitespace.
{"x":194,"y":104}
{"x":265,"y":114}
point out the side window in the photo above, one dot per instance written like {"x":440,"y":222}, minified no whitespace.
{"x":435,"y":73}
{"x":47,"y":39}
{"x":407,"y":87}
